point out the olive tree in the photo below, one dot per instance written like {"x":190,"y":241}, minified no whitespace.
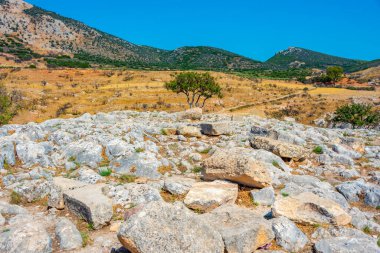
{"x":335,"y":73}
{"x":198,"y":87}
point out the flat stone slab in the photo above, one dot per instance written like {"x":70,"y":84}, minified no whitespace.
{"x":90,"y":204}
{"x":59,"y":185}
{"x":311,"y":209}
{"x":205,"y":196}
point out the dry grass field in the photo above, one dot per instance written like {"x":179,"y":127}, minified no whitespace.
{"x":70,"y":92}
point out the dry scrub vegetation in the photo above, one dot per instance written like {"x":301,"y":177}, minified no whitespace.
{"x":70,"y":92}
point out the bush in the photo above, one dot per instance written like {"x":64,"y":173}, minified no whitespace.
{"x":6,"y":113}
{"x":358,"y":115}
{"x":318,"y":150}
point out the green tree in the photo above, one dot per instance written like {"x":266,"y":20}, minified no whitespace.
{"x":335,"y":73}
{"x":358,"y":115}
{"x":198,"y":87}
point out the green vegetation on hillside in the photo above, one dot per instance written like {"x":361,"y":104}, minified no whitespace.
{"x":358,"y":115}
{"x":297,"y":74}
{"x":16,"y":47}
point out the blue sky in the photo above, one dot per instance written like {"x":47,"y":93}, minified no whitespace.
{"x":257,"y":29}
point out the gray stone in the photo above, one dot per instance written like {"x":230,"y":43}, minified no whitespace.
{"x":178,"y":185}
{"x":89,"y":176}
{"x":310,"y":209}
{"x":288,"y":235}
{"x":132,"y":194}
{"x":190,"y":131}
{"x":68,"y":235}
{"x":216,"y":128}
{"x":27,"y":236}
{"x":6,"y":208}
{"x":346,"y":245}
{"x":85,"y":153}
{"x":264,"y":196}
{"x":282,"y":149}
{"x":58,"y":186}
{"x":206,"y":196}
{"x":32,"y":190}
{"x":242,"y":230}
{"x":90,"y":204}
{"x":2,"y":220}
{"x":162,"y":227}
{"x":192,"y":114}
{"x":236,"y":165}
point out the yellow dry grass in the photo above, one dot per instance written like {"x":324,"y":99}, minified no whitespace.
{"x":72,"y":92}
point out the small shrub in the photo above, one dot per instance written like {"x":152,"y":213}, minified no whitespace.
{"x":197,"y":169}
{"x":205,"y":151}
{"x":139,"y":150}
{"x":105,"y":172}
{"x":366,"y":230}
{"x":284,"y":194}
{"x":15,"y":198}
{"x":318,"y":150}
{"x":358,"y":115}
{"x":85,"y":238}
{"x":276,"y":164}
{"x":128,"y":178}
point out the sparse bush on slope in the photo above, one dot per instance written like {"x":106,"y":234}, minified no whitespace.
{"x":358,"y":115}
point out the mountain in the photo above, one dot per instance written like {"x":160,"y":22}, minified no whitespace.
{"x":365,"y":65}
{"x":48,"y":33}
{"x":299,"y":57}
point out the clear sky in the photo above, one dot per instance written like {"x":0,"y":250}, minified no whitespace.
{"x":253,"y":28}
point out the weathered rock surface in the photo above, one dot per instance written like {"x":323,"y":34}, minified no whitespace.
{"x":215,"y":129}
{"x":90,"y":204}
{"x":206,"y":196}
{"x":25,"y":235}
{"x":264,"y":196}
{"x":58,"y":186}
{"x":282,"y":149}
{"x":68,"y":235}
{"x":238,"y":166}
{"x":346,"y":245}
{"x":178,"y":185}
{"x":163,"y":227}
{"x":190,"y":131}
{"x":242,"y":230}
{"x":288,"y":235}
{"x":310,"y":208}
{"x":192,"y":114}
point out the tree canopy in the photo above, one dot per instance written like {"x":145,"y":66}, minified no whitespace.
{"x":358,"y":115}
{"x":335,"y":73}
{"x":198,"y":87}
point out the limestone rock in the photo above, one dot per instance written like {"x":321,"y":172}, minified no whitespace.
{"x":288,"y":235}
{"x":216,"y":128}
{"x":190,"y":131}
{"x":238,"y":166}
{"x":178,"y":185}
{"x":282,"y":149}
{"x":242,"y":230}
{"x":68,"y":235}
{"x":311,"y":209}
{"x":206,"y":196}
{"x":58,"y":186}
{"x":346,"y":245}
{"x":162,"y":227}
{"x":90,"y":204}
{"x":264,"y":196}
{"x":192,"y":114}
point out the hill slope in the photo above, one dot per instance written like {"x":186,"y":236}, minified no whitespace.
{"x":299,"y":57}
{"x":50,"y":33}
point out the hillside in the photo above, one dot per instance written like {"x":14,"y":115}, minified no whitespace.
{"x":49,"y":33}
{"x":299,"y":57}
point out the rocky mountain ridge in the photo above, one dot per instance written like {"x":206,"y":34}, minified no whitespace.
{"x":211,"y":183}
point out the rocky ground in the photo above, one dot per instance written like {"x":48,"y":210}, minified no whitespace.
{"x":186,"y":182}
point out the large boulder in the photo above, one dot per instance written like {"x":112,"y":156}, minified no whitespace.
{"x":32,"y":190}
{"x":242,"y":229}
{"x":162,"y":227}
{"x":282,"y":149}
{"x":353,"y":190}
{"x":236,"y":165}
{"x":216,"y":128}
{"x":205,"y":196}
{"x":192,"y":114}
{"x":310,"y":209}
{"x":68,"y":235}
{"x":58,"y":186}
{"x":90,"y":204}
{"x":23,"y":234}
{"x":288,"y":235}
{"x":190,"y":131}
